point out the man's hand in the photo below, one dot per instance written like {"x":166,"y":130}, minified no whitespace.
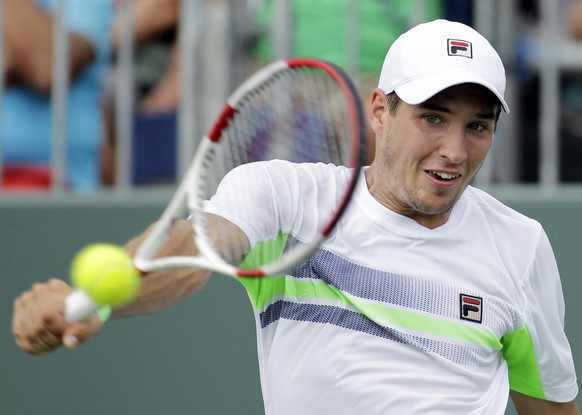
{"x":38,"y":322}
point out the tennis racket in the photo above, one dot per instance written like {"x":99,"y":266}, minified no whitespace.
{"x":299,"y":110}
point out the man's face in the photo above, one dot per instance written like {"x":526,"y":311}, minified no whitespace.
{"x":428,"y":154}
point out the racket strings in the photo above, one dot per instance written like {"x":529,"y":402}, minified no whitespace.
{"x":299,"y":110}
{"x":299,"y":114}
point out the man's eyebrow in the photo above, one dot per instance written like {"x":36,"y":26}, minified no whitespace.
{"x":428,"y":105}
{"x":433,"y":106}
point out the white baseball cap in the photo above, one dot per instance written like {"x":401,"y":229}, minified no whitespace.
{"x":436,"y":55}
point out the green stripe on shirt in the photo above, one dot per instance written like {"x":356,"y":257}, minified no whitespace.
{"x":518,"y":351}
{"x":265,"y":290}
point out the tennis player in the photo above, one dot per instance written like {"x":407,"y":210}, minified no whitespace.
{"x":430,"y":297}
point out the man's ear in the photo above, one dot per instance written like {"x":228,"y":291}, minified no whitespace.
{"x":377,"y":109}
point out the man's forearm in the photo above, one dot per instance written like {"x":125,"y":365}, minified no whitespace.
{"x":161,"y":290}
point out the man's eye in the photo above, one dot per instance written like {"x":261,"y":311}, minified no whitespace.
{"x":476,"y":127}
{"x":433,"y":119}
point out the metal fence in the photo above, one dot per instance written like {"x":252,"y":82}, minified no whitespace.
{"x":229,"y":24}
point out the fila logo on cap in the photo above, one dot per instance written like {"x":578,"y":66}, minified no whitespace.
{"x":460,"y":48}
{"x":471,"y":308}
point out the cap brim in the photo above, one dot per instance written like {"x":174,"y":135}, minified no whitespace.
{"x":421,"y":89}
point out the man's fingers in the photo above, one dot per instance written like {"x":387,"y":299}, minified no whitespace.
{"x":78,"y":333}
{"x":38,"y":322}
{"x":23,"y":324}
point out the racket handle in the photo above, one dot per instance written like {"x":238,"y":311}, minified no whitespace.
{"x":78,"y":306}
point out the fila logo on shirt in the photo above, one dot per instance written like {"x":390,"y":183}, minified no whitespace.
{"x":460,"y":48}
{"x":471,"y":308}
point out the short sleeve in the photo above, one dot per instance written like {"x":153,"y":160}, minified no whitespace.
{"x":539,"y":357}
{"x":257,"y":197}
{"x":267,"y":198}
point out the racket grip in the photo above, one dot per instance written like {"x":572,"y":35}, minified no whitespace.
{"x":78,"y":306}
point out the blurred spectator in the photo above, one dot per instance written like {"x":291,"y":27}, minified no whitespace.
{"x":571,"y":102}
{"x":321,"y":30}
{"x":574,"y":19}
{"x":26,"y":104}
{"x":157,"y":91}
{"x":459,"y":11}
{"x":530,"y":92}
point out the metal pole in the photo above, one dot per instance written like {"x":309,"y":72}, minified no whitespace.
{"x":282,"y":28}
{"x":218,"y":59}
{"x":192,"y":18}
{"x":418,"y":13}
{"x":483,"y":17}
{"x":507,"y":153}
{"x":353,"y":41}
{"x":2,"y":65}
{"x":124,"y":99}
{"x":549,"y":97}
{"x":59,"y":99}
{"x":240,"y":30}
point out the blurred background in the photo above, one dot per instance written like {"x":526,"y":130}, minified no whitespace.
{"x":102,"y":104}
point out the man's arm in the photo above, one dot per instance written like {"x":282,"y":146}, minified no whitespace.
{"x":161,"y":290}
{"x":527,"y":405}
{"x":28,"y":34}
{"x":38,"y":324}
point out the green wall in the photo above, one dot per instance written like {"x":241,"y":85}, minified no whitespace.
{"x":197,"y":358}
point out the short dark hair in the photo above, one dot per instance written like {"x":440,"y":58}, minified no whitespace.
{"x":394,"y":100}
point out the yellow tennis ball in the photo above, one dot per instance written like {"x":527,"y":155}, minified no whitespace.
{"x":106,"y":273}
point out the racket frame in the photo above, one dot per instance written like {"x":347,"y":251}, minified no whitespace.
{"x":189,"y":196}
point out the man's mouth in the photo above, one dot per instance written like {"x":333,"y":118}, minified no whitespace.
{"x":441,"y":175}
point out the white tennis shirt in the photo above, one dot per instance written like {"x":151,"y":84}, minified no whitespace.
{"x":389,"y":317}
